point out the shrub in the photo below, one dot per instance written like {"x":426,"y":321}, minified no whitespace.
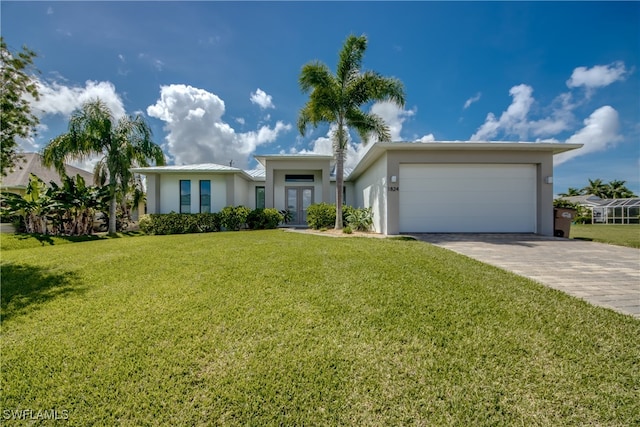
{"x":264,"y":219}
{"x":175,"y":223}
{"x":321,"y":215}
{"x":347,"y":230}
{"x":360,"y":219}
{"x":234,"y":218}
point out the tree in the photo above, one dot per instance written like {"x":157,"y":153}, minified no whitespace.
{"x":123,"y":144}
{"x":595,"y":187}
{"x":337,"y":100}
{"x":15,"y":111}
{"x":617,"y":189}
{"x":572,"y":191}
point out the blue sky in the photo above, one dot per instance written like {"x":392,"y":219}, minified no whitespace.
{"x":217,"y":81}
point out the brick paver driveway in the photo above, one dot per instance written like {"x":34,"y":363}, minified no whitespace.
{"x":604,"y":275}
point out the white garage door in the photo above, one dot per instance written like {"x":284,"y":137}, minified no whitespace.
{"x":467,"y":198}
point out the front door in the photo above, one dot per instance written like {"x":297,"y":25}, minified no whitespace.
{"x":298,"y":200}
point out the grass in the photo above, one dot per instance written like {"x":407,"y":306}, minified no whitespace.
{"x":10,"y":241}
{"x":275,"y":328}
{"x":615,"y":234}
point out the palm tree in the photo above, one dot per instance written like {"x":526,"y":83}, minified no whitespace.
{"x":337,"y":99}
{"x":596,"y":187}
{"x":572,"y":191}
{"x":124,"y":144}
{"x":617,"y":189}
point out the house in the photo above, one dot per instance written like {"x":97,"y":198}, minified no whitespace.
{"x":483,"y":187}
{"x":17,"y":180}
{"x":609,"y":211}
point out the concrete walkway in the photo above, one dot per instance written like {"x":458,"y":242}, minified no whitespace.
{"x":604,"y":275}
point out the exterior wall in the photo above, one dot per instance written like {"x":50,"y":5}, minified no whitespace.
{"x":170,"y":191}
{"x":241,"y":194}
{"x":542,"y":159}
{"x":275,"y":184}
{"x":350,"y":199}
{"x":153,"y":193}
{"x":371,"y":191}
{"x":251,"y":193}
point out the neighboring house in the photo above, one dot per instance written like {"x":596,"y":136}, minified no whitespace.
{"x":609,"y":211}
{"x":411,"y":187}
{"x":17,"y":181}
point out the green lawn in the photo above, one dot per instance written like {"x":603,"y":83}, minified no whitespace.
{"x":615,"y":234}
{"x":276,"y":328}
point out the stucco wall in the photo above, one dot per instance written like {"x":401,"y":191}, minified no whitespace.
{"x":371,"y":191}
{"x":542,"y":159}
{"x":170,"y":191}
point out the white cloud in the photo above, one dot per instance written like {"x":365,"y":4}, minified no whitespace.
{"x":56,"y":98}
{"x":198,"y":134}
{"x":393,"y":116}
{"x":599,"y":133}
{"x":513,"y":120}
{"x":426,"y":138}
{"x":261,"y":98}
{"x":597,"y":76}
{"x":471,"y":100}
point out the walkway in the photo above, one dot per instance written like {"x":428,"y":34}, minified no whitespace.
{"x":604,"y":275}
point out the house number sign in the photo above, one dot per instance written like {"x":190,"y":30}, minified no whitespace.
{"x":394,"y":188}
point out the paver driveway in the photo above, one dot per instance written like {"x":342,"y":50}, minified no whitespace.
{"x":604,"y":275}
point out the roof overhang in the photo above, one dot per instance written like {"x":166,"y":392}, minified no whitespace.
{"x":263,"y":158}
{"x":378,"y":149}
{"x":197,"y":168}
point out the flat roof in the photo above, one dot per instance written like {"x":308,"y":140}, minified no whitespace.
{"x":261,"y":158}
{"x":378,"y":148}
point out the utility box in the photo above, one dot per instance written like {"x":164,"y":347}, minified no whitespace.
{"x":562,"y":218}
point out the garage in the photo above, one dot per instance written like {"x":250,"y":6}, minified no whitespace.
{"x":467,"y":198}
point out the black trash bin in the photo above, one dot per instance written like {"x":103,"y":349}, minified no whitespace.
{"x":562,"y":218}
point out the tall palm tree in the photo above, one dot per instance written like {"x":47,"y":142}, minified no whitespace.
{"x":617,"y":189}
{"x":124,"y":144}
{"x":572,"y":191}
{"x":337,"y":100}
{"x":596,"y":187}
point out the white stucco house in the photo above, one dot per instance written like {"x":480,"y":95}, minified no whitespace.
{"x":435,"y":187}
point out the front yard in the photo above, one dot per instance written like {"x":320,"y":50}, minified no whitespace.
{"x":276,"y":328}
{"x":615,"y":234}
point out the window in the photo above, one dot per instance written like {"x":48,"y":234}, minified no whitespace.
{"x":298,"y":178}
{"x":185,"y":196}
{"x":259,"y":197}
{"x":205,"y":196}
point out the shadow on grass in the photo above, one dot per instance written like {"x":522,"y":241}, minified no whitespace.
{"x":586,"y":239}
{"x":46,"y":239}
{"x":25,"y":287}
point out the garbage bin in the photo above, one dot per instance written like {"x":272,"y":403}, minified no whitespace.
{"x":562,"y":218}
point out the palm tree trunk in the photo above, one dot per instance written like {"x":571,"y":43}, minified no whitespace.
{"x":339,"y":185}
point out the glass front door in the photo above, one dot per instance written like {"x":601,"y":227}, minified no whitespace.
{"x":298,"y":200}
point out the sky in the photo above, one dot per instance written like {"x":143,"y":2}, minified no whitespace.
{"x":218,"y":81}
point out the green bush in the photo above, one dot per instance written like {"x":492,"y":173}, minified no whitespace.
{"x":321,"y":215}
{"x":347,"y":230}
{"x":234,"y":218}
{"x":264,"y":219}
{"x":360,"y":219}
{"x":175,"y":223}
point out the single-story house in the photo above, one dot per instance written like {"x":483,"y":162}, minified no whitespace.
{"x":17,"y":180}
{"x":609,"y":211}
{"x":466,"y":187}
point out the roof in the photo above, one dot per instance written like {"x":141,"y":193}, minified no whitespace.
{"x":614,"y":203}
{"x":372,"y":154}
{"x":585,"y":199}
{"x":378,"y":148}
{"x":19,"y":178}
{"x":298,"y":156}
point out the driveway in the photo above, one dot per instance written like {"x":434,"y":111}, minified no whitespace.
{"x":604,"y":275}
